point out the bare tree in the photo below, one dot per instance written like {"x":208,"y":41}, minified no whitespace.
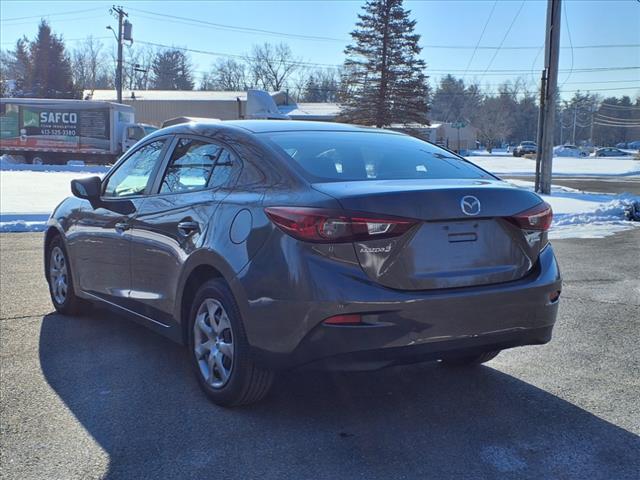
{"x":137,"y":71}
{"x":494,"y":124}
{"x":88,"y":63}
{"x":226,"y":75}
{"x":270,"y":66}
{"x":320,"y":85}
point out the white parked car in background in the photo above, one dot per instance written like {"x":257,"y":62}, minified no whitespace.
{"x":568,"y":151}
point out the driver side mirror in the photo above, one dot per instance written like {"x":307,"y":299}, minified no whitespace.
{"x":87,"y":188}
{"x":90,"y":188}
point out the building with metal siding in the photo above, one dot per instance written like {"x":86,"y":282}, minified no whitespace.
{"x":156,"y":106}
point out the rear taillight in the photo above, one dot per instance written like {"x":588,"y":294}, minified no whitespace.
{"x":319,"y":225}
{"x":536,"y":218}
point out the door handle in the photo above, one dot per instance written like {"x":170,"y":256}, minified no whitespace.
{"x":122,"y":226}
{"x":187,"y":228}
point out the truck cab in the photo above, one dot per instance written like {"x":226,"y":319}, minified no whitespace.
{"x":134,"y":132}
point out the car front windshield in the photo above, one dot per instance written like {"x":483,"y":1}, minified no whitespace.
{"x":347,"y":156}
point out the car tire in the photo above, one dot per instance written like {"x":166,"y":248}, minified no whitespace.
{"x":471,"y":360}
{"x":60,"y":280}
{"x":219,"y":351}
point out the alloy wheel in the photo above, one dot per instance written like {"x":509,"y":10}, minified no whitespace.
{"x":213,"y":343}
{"x":58,"y":275}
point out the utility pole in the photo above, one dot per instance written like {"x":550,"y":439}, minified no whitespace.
{"x":124,"y":33}
{"x":575,"y":118}
{"x":543,"y":89}
{"x":544,"y":160}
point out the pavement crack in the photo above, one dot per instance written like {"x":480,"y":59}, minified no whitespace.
{"x":591,"y":280}
{"x":21,"y":317}
{"x":606,"y":302}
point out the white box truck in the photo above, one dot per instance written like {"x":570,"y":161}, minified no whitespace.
{"x":54,"y":131}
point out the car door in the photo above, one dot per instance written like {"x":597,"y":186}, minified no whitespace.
{"x":99,"y":240}
{"x":175,"y":220}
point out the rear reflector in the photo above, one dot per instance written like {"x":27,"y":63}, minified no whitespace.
{"x":319,"y":225}
{"x":536,"y":218}
{"x":353,"y":319}
{"x":554,"y":296}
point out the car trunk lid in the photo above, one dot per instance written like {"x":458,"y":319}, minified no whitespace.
{"x":461,"y":238}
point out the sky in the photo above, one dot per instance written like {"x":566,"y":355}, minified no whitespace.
{"x":318,"y":31}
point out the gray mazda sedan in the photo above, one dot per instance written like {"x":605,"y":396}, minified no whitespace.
{"x":268,"y":245}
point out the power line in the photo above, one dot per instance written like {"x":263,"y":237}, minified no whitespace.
{"x":68,"y":12}
{"x":624,"y":107}
{"x":90,"y":17}
{"x":72,"y":40}
{"x":528,"y":47}
{"x":484,"y":28}
{"x":504,"y":38}
{"x":566,"y":22}
{"x":237,"y":28}
{"x":637,"y":125}
{"x":333,"y":65}
{"x":607,"y":118}
{"x":602,"y":81}
{"x":227,"y":27}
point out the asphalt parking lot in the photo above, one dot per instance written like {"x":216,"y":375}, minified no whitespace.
{"x":100,"y":397}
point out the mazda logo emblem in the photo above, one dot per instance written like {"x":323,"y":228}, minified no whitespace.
{"x":470,"y":205}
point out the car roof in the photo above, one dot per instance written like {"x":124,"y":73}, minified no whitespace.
{"x":206,"y":127}
{"x":259,"y":126}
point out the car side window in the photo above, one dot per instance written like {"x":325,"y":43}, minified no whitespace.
{"x":225,"y":171}
{"x":132,"y":176}
{"x":190,"y":166}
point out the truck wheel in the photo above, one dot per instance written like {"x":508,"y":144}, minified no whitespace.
{"x":36,"y":159}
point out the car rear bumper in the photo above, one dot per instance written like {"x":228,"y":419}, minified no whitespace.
{"x":403,"y":327}
{"x":434,"y":350}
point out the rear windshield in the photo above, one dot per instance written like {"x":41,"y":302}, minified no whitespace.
{"x":348,"y":156}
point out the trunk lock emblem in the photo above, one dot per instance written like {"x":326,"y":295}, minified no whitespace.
{"x":470,"y":205}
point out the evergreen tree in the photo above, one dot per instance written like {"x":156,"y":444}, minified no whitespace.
{"x":473,"y":99}
{"x":614,"y":120}
{"x":384,"y":80}
{"x":50,"y":75}
{"x":311,"y":90}
{"x":525,"y":121}
{"x":20,"y":67}
{"x":321,"y":86}
{"x":448,"y":100}
{"x":172,"y":71}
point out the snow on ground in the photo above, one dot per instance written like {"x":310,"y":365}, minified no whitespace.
{"x":29,"y":193}
{"x":502,"y":164}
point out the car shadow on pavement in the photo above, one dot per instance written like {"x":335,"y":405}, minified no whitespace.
{"x":135,"y":394}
